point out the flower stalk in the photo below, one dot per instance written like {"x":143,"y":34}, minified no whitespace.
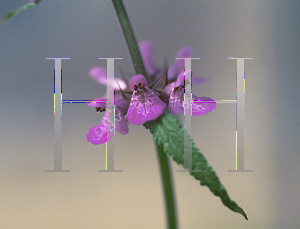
{"x":167,"y":184}
{"x":130,"y":39}
{"x":162,"y":157}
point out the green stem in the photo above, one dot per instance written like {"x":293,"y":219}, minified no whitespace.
{"x":130,"y":39}
{"x":162,"y":157}
{"x":167,"y":186}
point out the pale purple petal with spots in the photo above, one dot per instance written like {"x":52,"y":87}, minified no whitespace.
{"x":154,"y":105}
{"x":142,"y":109}
{"x":201,"y":107}
{"x":136,"y":110}
{"x":176,"y":94}
{"x":176,"y":100}
{"x":97,"y":135}
{"x":177,"y":103}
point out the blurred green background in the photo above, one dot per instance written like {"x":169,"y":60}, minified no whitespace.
{"x":85,"y":198}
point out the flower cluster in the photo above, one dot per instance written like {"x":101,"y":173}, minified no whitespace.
{"x":144,"y":103}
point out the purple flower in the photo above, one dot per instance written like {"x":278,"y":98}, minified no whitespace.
{"x":144,"y":105}
{"x":177,"y":103}
{"x":105,"y":131}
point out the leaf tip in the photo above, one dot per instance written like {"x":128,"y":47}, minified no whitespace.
{"x":243,"y":213}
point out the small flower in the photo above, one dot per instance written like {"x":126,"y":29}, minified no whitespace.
{"x":144,"y":105}
{"x":106,"y":130}
{"x":176,"y":101}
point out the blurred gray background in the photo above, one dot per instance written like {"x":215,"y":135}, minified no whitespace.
{"x":87,"y":30}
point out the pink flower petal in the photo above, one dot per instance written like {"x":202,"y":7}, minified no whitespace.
{"x":154,"y":105}
{"x":199,"y":108}
{"x":97,"y":135}
{"x":177,"y":83}
{"x":99,"y":74}
{"x":168,"y":89}
{"x":176,"y":101}
{"x":136,"y":110}
{"x":178,"y":65}
{"x":144,"y":109}
{"x":121,"y":124}
{"x":102,"y":133}
{"x":180,"y":79}
{"x":105,"y":131}
{"x":176,"y":94}
{"x":148,"y":55}
{"x":136,"y":80}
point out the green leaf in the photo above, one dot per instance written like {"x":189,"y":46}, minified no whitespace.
{"x":12,"y":13}
{"x":168,"y":133}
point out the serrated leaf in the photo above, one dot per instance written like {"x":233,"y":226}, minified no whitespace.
{"x":168,"y":133}
{"x":12,"y":13}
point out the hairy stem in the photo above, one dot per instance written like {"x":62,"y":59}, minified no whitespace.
{"x":135,"y":54}
{"x":167,"y":186}
{"x":162,"y":157}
